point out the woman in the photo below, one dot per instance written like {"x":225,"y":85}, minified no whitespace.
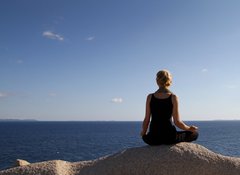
{"x":162,"y":108}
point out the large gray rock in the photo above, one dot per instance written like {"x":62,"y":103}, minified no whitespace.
{"x":179,"y":159}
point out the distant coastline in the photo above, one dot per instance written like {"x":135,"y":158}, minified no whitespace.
{"x":18,"y":120}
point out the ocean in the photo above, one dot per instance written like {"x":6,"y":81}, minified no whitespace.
{"x":76,"y":141}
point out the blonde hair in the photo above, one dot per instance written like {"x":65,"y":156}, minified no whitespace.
{"x":164,"y":78}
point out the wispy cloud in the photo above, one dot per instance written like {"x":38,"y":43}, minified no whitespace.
{"x":51,"y":35}
{"x":90,"y":38}
{"x":19,"y":61}
{"x":4,"y":94}
{"x":231,"y":86}
{"x":52,"y":94}
{"x":117,"y":100}
{"x":204,"y":70}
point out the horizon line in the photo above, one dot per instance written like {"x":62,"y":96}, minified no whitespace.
{"x":37,"y":120}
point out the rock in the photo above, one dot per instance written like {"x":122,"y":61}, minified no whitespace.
{"x":179,"y":159}
{"x":20,"y":162}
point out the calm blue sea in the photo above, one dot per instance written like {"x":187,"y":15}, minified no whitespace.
{"x":75,"y":141}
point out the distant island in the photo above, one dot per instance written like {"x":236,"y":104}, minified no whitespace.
{"x":18,"y":120}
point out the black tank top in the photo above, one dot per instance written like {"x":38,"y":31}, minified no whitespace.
{"x":161,"y":126}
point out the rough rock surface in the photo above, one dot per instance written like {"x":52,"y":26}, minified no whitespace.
{"x":20,"y":162}
{"x":179,"y":159}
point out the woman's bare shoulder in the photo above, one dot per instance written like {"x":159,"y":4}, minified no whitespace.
{"x":149,"y":96}
{"x":174,"y":97}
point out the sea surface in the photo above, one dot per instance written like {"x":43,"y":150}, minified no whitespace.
{"x":76,"y":141}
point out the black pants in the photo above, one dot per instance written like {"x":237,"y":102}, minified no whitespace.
{"x":181,"y":136}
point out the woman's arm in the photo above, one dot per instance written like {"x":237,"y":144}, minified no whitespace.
{"x":147,"y":116}
{"x":176,"y":117}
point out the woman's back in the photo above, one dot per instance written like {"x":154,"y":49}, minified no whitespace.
{"x":161,"y":109}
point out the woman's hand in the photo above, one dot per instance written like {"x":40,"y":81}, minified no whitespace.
{"x":193,"y":128}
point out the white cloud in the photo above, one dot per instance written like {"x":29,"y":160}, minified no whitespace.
{"x":90,"y":38}
{"x":204,"y":70}
{"x":117,"y":100}
{"x":51,"y":35}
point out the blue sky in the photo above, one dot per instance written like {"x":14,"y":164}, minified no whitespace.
{"x":97,"y":60}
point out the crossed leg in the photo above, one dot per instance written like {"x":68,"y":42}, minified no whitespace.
{"x":186,"y":136}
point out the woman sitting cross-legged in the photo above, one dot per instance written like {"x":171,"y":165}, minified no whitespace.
{"x":161,"y":110}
